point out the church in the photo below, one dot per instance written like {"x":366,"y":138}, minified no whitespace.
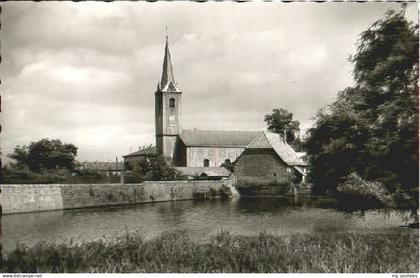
{"x":190,"y":148}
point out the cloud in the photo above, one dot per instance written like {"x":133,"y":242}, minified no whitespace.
{"x":86,"y":72}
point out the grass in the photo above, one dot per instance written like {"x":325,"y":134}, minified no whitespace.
{"x":224,"y":252}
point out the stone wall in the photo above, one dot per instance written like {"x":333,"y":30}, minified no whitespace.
{"x":41,"y":197}
{"x":33,"y":197}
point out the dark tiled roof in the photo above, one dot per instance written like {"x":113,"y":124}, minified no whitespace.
{"x":144,"y":152}
{"x":101,"y":166}
{"x":208,"y":171}
{"x":270,"y":140}
{"x":218,"y":138}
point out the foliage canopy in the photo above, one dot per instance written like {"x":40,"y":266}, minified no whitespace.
{"x":45,"y":154}
{"x":281,"y":121}
{"x":372,"y":128}
{"x":154,"y":169}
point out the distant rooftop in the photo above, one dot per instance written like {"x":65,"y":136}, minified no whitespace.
{"x":143,"y":152}
{"x":218,"y":138}
{"x":101,"y":166}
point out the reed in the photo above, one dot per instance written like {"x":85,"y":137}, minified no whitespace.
{"x":224,"y":252}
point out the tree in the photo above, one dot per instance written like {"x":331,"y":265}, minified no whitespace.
{"x":45,"y":154}
{"x":20,"y":155}
{"x":371,"y":129}
{"x":281,"y":121}
{"x":386,"y":72}
{"x":332,"y":147}
{"x":155,"y":169}
{"x":159,"y":169}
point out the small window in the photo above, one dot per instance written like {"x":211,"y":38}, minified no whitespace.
{"x":227,"y":161}
{"x":206,"y":163}
{"x":275,"y":174}
{"x":172,"y":103}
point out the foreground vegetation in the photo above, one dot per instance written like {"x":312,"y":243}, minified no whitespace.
{"x":224,"y":252}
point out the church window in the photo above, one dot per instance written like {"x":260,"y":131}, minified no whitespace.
{"x":172,"y":103}
{"x":206,"y":163}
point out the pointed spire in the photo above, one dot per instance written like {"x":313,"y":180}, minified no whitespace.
{"x":167,"y":81}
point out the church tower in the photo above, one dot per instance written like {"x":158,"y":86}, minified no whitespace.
{"x":168,"y":104}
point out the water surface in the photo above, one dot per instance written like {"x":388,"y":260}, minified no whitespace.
{"x":199,"y":219}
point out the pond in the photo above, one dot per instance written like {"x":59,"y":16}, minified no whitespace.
{"x":200,"y":220}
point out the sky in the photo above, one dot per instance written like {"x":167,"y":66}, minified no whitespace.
{"x":86,"y":73}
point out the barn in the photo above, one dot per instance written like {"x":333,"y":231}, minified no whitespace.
{"x":268,"y":165}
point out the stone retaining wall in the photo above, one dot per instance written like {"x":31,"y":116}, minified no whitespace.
{"x":18,"y":198}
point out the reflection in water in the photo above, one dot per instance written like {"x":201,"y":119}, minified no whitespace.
{"x":200,"y":219}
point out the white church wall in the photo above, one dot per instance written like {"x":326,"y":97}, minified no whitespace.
{"x":215,"y":155}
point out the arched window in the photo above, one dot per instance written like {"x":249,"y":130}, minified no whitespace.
{"x":206,"y":163}
{"x":172,"y":103}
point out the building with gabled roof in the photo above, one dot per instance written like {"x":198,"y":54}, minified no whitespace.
{"x":269,"y":160}
{"x":143,"y":154}
{"x":269,"y":140}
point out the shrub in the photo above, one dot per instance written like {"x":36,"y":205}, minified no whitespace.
{"x":19,"y":174}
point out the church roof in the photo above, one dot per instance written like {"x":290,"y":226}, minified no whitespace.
{"x":167,"y":82}
{"x":143,"y":152}
{"x":218,"y":138}
{"x":269,"y":140}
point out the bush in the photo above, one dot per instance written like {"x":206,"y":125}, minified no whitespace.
{"x":155,"y":169}
{"x":20,"y":174}
{"x":13,"y":174}
{"x":91,"y":176}
{"x":354,"y":185}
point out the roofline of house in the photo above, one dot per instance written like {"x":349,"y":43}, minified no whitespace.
{"x":294,"y":164}
{"x":287,"y":163}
